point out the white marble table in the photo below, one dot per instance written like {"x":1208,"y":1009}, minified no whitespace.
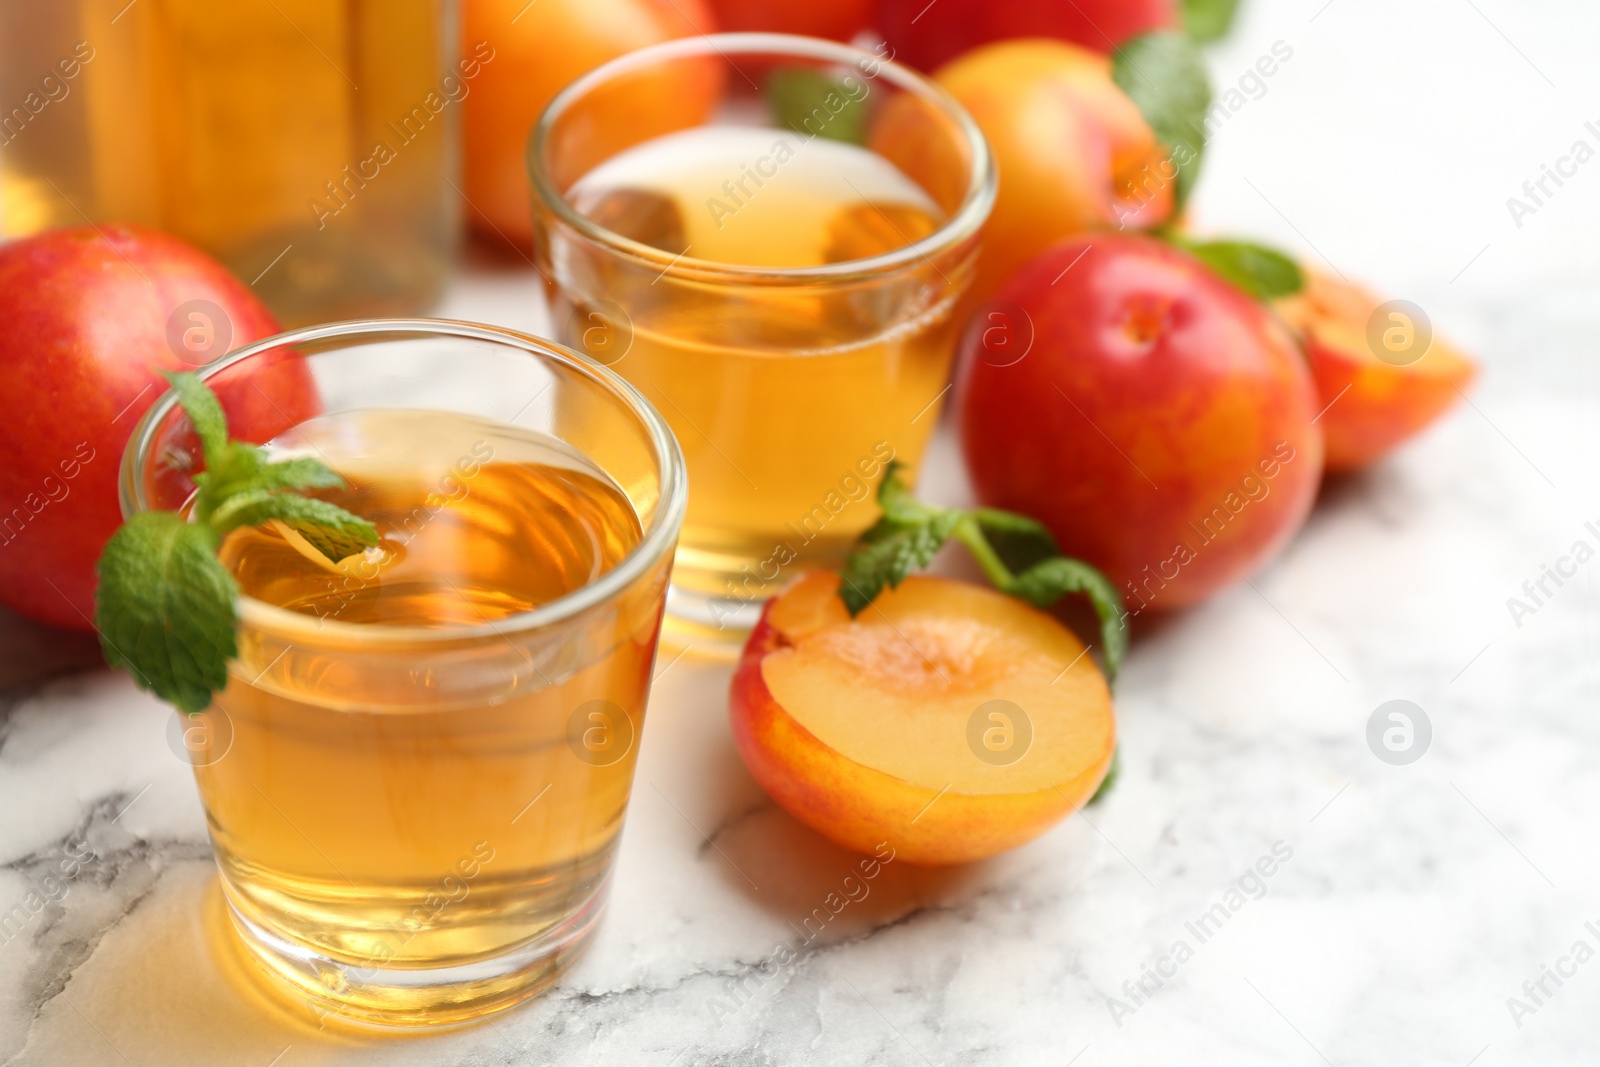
{"x":1415,"y":900}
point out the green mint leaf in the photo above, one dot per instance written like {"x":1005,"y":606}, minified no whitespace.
{"x":881,"y":530}
{"x":165,"y":608}
{"x":236,"y":465}
{"x":1208,"y":20}
{"x":1264,"y":273}
{"x":895,"y":498}
{"x":814,"y":104}
{"x":1111,"y":776}
{"x":239,"y":464}
{"x":1165,"y":75}
{"x":890,"y":560}
{"x":302,"y":472}
{"x":205,"y":414}
{"x":1045,"y":583}
{"x":901,"y":510}
{"x":332,"y":530}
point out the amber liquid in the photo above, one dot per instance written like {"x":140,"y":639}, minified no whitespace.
{"x":427,"y":804}
{"x":251,"y":130}
{"x":787,"y":401}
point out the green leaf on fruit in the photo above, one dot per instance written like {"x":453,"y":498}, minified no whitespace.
{"x":815,"y":104}
{"x":1208,"y":20}
{"x":166,"y":607}
{"x":1166,"y":77}
{"x":1264,"y":273}
{"x":1047,"y":582}
{"x":1111,"y":776}
{"x":1018,"y":554}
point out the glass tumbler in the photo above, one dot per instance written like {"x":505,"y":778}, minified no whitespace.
{"x":768,"y":235}
{"x":416,"y":823}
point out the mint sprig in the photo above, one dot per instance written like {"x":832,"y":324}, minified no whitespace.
{"x":166,"y":608}
{"x":1019,"y":556}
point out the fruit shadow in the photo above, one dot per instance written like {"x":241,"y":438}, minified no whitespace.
{"x":824,"y":893}
{"x":1344,"y":489}
{"x":31,"y":652}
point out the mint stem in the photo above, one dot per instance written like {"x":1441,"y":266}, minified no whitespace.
{"x":970,"y":534}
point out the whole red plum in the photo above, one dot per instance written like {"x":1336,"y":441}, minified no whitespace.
{"x":1156,"y":418}
{"x":92,"y":313}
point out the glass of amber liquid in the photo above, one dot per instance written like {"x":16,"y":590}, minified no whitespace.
{"x":769,"y":236}
{"x":416,"y":776}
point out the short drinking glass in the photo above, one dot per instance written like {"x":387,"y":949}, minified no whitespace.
{"x":768,"y":235}
{"x":416,"y":776}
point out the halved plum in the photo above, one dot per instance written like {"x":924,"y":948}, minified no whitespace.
{"x":948,"y":720}
{"x":1371,"y":405}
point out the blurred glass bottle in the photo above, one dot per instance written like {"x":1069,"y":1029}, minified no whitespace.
{"x":308,"y":144}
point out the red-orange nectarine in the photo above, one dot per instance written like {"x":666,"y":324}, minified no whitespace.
{"x":1161,"y":424}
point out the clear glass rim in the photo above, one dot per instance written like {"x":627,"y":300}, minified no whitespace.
{"x":964,"y":222}
{"x":653,"y":545}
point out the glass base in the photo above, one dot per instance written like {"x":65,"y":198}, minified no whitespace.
{"x":367,"y":996}
{"x":713,"y":626}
